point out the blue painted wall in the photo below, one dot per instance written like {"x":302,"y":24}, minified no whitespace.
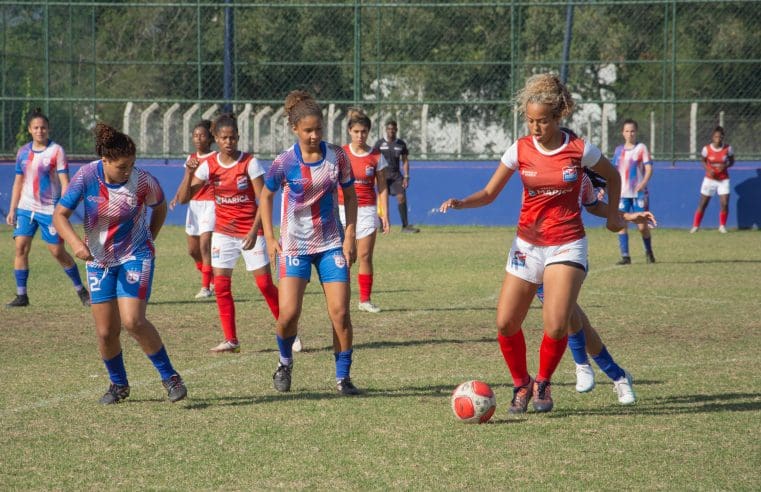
{"x":674,"y":193}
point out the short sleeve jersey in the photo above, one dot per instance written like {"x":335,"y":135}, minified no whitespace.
{"x":42,"y":188}
{"x":392,"y":152}
{"x":715,"y":158}
{"x":234,"y":198}
{"x":206,"y":193}
{"x":551,"y":213}
{"x":364,"y":167}
{"x":631,"y":166}
{"x":116,"y":229}
{"x":309,"y":221}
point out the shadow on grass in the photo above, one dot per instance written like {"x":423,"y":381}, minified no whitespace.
{"x":704,"y":261}
{"x":391,"y":343}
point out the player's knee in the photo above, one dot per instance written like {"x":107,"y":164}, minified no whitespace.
{"x":508,"y":326}
{"x":134,"y":324}
{"x":339,"y":315}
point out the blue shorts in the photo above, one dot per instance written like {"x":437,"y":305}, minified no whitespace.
{"x":331,"y":266}
{"x":27,"y":223}
{"x":131,"y":279}
{"x":639,"y":204}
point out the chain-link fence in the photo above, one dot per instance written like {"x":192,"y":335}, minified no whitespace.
{"x":445,"y":70}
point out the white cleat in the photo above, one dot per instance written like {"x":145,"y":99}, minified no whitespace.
{"x":204,"y":293}
{"x":226,"y":346}
{"x":585,"y":378}
{"x":624,"y":390}
{"x":694,"y":229}
{"x":297,"y":346}
{"x":722,"y":229}
{"x":368,"y":307}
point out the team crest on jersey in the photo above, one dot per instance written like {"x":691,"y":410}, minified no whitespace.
{"x":369,"y":171}
{"x":46,"y":161}
{"x":131,"y":201}
{"x":339,"y":260}
{"x":570,"y":174}
{"x":242,"y":182}
{"x":518,"y":260}
{"x":133,"y":276}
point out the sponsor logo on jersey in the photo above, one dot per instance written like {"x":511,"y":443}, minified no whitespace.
{"x":133,"y":276}
{"x":528,"y":172}
{"x":547,"y":191}
{"x":339,"y":260}
{"x":518,"y":260}
{"x":570,"y":174}
{"x":96,"y":199}
{"x":230,"y":200}
{"x":242,"y":182}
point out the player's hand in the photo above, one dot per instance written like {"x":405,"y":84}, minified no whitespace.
{"x":350,"y":250}
{"x":273,"y":249}
{"x":641,"y":218}
{"x":192,"y":164}
{"x":385,"y":226}
{"x":173,"y":203}
{"x":405,"y":182}
{"x":250,"y":241}
{"x":83,"y":253}
{"x":10,"y":219}
{"x":451,"y":203}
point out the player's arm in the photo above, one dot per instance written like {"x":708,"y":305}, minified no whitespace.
{"x":158,"y":216}
{"x":604,"y":168}
{"x":350,"y":238}
{"x":405,"y":170}
{"x":600,"y":209}
{"x":730,"y":161}
{"x":646,"y":178}
{"x":485,"y":196}
{"x":380,"y":180}
{"x":250,"y":241}
{"x":62,"y":224}
{"x":190,"y":183}
{"x":63,"y":178}
{"x":18,"y":183}
{"x":265,"y":213}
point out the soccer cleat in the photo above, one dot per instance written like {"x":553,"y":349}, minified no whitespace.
{"x":694,"y":229}
{"x":521,"y":396}
{"x":368,"y":307}
{"x":410,"y":229}
{"x":650,"y":257}
{"x":585,"y":378}
{"x":624,"y":389}
{"x":542,"y":396}
{"x":115,"y":394}
{"x":21,"y":300}
{"x":722,"y":229}
{"x":282,"y":377}
{"x":204,"y":293}
{"x":175,"y":388}
{"x":84,"y":297}
{"x":346,"y":387}
{"x":226,"y":346}
{"x":297,"y":345}
{"x":625,"y":260}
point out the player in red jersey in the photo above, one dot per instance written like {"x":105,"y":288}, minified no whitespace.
{"x":236,"y":181}
{"x":369,"y":168}
{"x":550,"y":246}
{"x":199,"y":222}
{"x":718,"y":157}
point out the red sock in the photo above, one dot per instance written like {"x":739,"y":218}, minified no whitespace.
{"x":269,"y":291}
{"x":723,"y":218}
{"x":698,"y":218}
{"x":226,"y":307}
{"x":207,"y":276}
{"x":365,"y":286}
{"x":514,"y":352}
{"x":199,"y":266}
{"x":550,"y":353}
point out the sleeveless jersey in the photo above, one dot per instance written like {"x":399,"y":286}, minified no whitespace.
{"x":309,"y":222}
{"x":631,"y":166}
{"x":116,"y":230}
{"x":42,"y":188}
{"x":715,"y":158}
{"x":364,"y":167}
{"x":206,"y":193}
{"x":551,"y":213}
{"x":234,"y":198}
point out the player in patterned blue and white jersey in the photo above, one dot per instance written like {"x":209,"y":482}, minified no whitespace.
{"x":42,"y":173}
{"x":119,"y":251}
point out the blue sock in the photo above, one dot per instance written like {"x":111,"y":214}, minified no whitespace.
{"x":608,"y":365}
{"x":116,"y":371}
{"x":73,"y":274}
{"x":285,"y":345}
{"x":343,"y":363}
{"x":162,"y":363}
{"x":623,"y":244}
{"x":648,"y":246}
{"x":577,"y":344}
{"x":21,"y":278}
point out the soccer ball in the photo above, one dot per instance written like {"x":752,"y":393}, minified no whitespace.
{"x":473,"y":402}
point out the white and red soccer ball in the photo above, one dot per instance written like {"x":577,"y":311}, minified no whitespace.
{"x":473,"y":402}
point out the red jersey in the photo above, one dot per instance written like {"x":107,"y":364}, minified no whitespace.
{"x":234,"y":197}
{"x":717,"y":158}
{"x":551,"y":211}
{"x":364,"y":167}
{"x":206,"y":193}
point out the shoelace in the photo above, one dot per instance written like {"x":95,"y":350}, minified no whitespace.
{"x":543,"y":388}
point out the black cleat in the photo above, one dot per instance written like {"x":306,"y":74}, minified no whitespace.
{"x":625,"y":260}
{"x":542,"y":396}
{"x":282,"y":377}
{"x":84,"y":297}
{"x":115,"y":394}
{"x":650,"y":257}
{"x":346,"y":387}
{"x":175,"y":388}
{"x":409,"y":229}
{"x":521,"y":397}
{"x":21,"y":300}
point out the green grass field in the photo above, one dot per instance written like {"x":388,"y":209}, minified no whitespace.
{"x":688,"y":328}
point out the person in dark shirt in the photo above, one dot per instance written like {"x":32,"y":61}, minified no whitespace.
{"x":395,"y":152}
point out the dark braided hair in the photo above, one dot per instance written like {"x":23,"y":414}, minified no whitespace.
{"x":111,"y":143}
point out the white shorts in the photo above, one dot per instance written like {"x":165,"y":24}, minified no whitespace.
{"x":710,"y":187}
{"x":528,"y":262}
{"x":200,"y":217}
{"x":367,"y":219}
{"x":225,"y":251}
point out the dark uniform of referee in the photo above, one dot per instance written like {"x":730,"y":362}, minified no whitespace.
{"x":395,"y":152}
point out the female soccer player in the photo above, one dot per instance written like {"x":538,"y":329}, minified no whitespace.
{"x":42,"y":174}
{"x":311,"y":234}
{"x":635,"y":167}
{"x":718,"y":157}
{"x":235,"y":178}
{"x":368,"y":166}
{"x":551,"y":246}
{"x":199,"y":221}
{"x":119,"y":251}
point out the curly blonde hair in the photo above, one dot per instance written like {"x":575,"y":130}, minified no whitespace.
{"x":546,"y":88}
